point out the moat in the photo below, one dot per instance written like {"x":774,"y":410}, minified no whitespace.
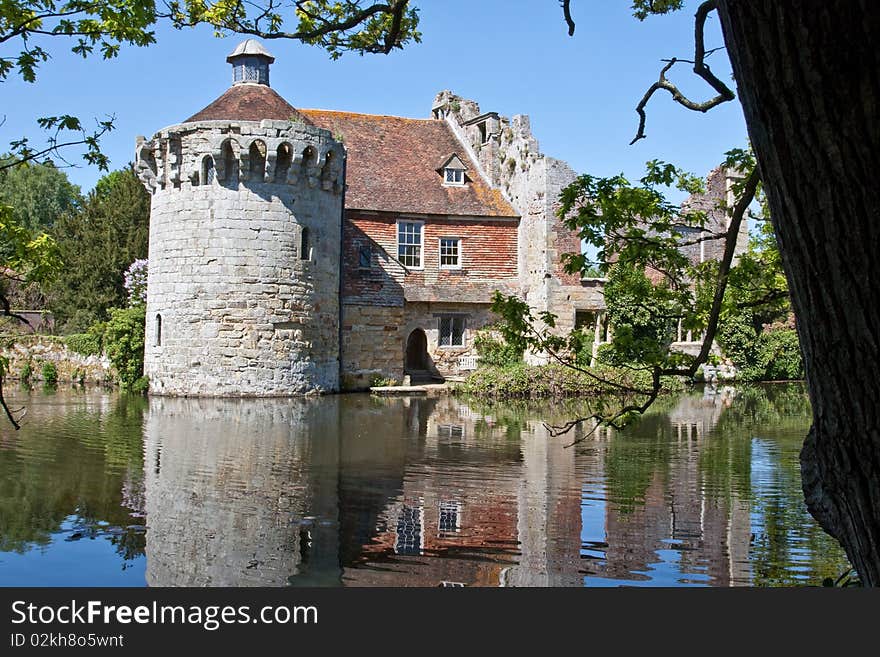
{"x":102,"y":489}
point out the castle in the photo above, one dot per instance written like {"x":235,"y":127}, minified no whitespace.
{"x":296,"y":250}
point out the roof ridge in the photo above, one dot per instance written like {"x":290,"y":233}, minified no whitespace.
{"x":383,"y":116}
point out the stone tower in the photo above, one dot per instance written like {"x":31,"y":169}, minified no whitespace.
{"x":245,"y":235}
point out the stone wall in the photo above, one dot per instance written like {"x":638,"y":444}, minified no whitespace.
{"x":373,"y":343}
{"x":243,"y":284}
{"x":510,"y":156}
{"x":69,"y":365}
{"x":426,"y":316}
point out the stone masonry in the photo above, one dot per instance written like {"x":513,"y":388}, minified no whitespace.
{"x":242,"y":291}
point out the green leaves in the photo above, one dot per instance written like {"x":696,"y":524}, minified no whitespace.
{"x":643,"y":8}
{"x":337,"y":27}
{"x":124,"y":343}
{"x":28,"y":256}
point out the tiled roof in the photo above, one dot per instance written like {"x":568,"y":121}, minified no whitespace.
{"x":391,"y":166}
{"x":248,"y":102}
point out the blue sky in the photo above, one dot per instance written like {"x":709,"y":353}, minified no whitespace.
{"x":513,"y":57}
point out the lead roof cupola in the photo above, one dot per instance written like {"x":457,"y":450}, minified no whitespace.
{"x":250,"y":63}
{"x":249,"y":98}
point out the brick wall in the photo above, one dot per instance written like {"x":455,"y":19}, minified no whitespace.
{"x":488,"y":252}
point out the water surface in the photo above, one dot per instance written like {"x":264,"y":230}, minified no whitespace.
{"x":102,"y":489}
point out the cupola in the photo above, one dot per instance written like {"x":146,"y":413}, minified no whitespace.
{"x":250,"y":63}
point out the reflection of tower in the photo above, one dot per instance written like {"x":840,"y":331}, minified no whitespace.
{"x":241,"y":492}
{"x":245,"y":232}
{"x":549,"y":519}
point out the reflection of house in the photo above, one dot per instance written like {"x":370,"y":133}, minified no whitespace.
{"x":364,"y":491}
{"x":680,"y":529}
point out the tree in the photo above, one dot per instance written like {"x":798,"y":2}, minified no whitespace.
{"x":807,"y":77}
{"x":89,"y":25}
{"x":808,"y":80}
{"x":97,"y":244}
{"x":27,"y":258}
{"x":39,"y":193}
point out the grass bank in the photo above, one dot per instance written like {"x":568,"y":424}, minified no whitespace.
{"x":521,"y":381}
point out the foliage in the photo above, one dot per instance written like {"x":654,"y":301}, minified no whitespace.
{"x":38,"y":193}
{"x":779,"y":353}
{"x":379,"y":381}
{"x":49,"y":373}
{"x":98,"y":243}
{"x":495,"y":352}
{"x":27,"y":372}
{"x":27,"y":256}
{"x":521,"y":381}
{"x":90,"y":27}
{"x":124,"y":343}
{"x":135,"y":282}
{"x":85,"y":344}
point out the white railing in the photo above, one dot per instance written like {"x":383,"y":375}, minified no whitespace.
{"x":467,"y":362}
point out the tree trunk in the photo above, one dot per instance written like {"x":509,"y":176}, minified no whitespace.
{"x":808,"y":75}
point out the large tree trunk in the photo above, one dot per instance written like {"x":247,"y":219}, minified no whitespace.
{"x":808,"y":75}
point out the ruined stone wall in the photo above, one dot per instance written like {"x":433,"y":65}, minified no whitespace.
{"x":243,"y":284}
{"x":509,"y":155}
{"x":716,"y":202}
{"x":34,"y":351}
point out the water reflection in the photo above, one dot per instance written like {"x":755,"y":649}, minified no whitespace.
{"x":362,"y":491}
{"x":72,"y":491}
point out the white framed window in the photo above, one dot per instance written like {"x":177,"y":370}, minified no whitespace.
{"x":409,"y":243}
{"x":452,"y":330}
{"x":450,"y":253}
{"x":452,"y":176}
{"x":409,"y":538}
{"x":450,"y":517}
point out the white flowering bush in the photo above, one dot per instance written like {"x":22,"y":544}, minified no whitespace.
{"x":136,"y":283}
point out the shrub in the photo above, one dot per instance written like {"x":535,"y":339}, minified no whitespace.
{"x":141,"y":385}
{"x":779,"y":355}
{"x":495,"y":352}
{"x":27,"y":372}
{"x":124,"y":343}
{"x":50,"y":374}
{"x":86,"y":344}
{"x":526,"y":381}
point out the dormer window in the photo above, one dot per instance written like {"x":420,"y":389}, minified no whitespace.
{"x":453,"y":176}
{"x":452,"y":168}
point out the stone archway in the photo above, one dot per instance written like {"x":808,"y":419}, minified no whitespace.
{"x":416,"y":351}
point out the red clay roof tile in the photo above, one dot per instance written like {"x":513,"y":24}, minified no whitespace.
{"x":248,"y":102}
{"x":391,"y":166}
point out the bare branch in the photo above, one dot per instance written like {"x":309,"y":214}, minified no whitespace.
{"x":556,"y":431}
{"x":6,"y":409}
{"x":724,"y":94}
{"x":566,"y":11}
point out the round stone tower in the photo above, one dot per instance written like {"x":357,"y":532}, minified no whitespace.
{"x":245,"y":235}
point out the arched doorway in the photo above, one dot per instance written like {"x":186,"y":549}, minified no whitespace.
{"x":416,"y":351}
